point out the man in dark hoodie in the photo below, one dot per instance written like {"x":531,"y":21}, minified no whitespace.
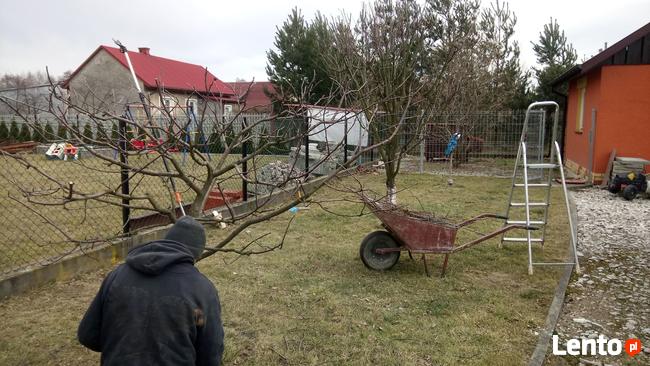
{"x":157,"y":308}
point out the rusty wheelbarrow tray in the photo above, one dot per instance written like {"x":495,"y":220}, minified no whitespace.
{"x":416,"y":232}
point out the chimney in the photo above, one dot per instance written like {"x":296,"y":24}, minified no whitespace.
{"x":144,"y":50}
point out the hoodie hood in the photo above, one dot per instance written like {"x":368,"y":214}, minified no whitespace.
{"x":155,"y":257}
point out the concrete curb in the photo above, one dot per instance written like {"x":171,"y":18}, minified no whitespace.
{"x":74,"y":264}
{"x":554,"y":311}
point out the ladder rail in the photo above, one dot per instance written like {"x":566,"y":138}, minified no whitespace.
{"x":574,"y":234}
{"x":550,"y":172}
{"x":527,"y":206}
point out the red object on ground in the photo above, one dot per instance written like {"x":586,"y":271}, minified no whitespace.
{"x":137,"y":144}
{"x":18,"y":147}
{"x":218,"y":198}
{"x":147,"y":145}
{"x":153,"y":144}
{"x":70,"y":150}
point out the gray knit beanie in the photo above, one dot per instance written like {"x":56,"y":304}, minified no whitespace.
{"x":190,"y":233}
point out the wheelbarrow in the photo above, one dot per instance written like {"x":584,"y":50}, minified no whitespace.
{"x":417,"y":232}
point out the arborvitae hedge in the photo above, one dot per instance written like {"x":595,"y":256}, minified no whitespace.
{"x":88,"y":134}
{"x":14,"y":132}
{"x":37,"y":132}
{"x":4,"y":131}
{"x":48,"y":132}
{"x":25,"y":134}
{"x":115,"y":133}
{"x":62,"y":132}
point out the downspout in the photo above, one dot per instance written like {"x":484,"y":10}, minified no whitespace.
{"x":564,"y":114}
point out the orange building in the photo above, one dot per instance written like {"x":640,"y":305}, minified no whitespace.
{"x":608,"y":106}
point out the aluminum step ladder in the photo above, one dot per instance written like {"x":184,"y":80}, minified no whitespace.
{"x":547,"y":169}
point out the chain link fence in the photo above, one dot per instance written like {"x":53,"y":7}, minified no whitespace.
{"x":487,"y":146}
{"x":40,"y":231}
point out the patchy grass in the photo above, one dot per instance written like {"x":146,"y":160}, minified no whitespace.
{"x":314,"y":302}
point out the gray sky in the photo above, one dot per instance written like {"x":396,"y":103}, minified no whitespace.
{"x":231,"y":37}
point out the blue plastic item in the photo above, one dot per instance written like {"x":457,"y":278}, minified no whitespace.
{"x":451,"y":146}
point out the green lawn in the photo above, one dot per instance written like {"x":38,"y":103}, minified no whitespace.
{"x":314,"y":302}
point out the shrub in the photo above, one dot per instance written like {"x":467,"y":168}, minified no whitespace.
{"x":4,"y":131}
{"x":115,"y":133}
{"x":25,"y":134}
{"x":37,"y":132}
{"x":48,"y":132}
{"x":62,"y":132}
{"x":87,"y":136}
{"x":13,"y":130}
{"x":101,"y":136}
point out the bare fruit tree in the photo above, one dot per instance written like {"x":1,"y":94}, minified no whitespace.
{"x":385,"y":60}
{"x":183,"y":151}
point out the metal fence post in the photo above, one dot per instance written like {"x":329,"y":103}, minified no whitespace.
{"x":422,"y":137}
{"x":124,"y":178}
{"x":345,"y":141}
{"x":244,"y":165}
{"x":307,"y":145}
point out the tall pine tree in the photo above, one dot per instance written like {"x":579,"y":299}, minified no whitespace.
{"x":555,"y":56}
{"x":298,"y":60}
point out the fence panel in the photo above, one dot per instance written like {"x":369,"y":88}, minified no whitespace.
{"x":38,"y":233}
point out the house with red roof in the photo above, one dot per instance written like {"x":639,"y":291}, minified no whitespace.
{"x":104,"y":82}
{"x":254,"y":97}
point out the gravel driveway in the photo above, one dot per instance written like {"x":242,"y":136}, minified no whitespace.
{"x":612,"y":295}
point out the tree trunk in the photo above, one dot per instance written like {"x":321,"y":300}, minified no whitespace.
{"x":391,"y":174}
{"x":391,"y":193}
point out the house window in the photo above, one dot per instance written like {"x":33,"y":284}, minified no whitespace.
{"x":582,"y":91}
{"x":193,"y":104}
{"x":227,"y":109}
{"x":168,"y":104}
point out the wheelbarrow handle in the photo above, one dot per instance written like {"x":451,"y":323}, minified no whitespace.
{"x":480,"y":217}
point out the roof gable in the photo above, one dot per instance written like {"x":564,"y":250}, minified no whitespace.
{"x":254,"y":95}
{"x":170,"y":74}
{"x":631,"y":50}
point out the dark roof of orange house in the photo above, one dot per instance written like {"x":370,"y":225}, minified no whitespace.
{"x":631,"y":50}
{"x":170,"y":74}
{"x":253,"y":95}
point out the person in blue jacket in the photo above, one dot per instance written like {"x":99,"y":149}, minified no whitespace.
{"x":157,"y":308}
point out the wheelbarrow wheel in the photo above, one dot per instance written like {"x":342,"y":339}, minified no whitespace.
{"x":372,"y":259}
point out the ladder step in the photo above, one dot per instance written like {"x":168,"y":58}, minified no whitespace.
{"x":533,"y":185}
{"x":543,"y":166}
{"x":523,"y":222}
{"x":534,"y":240}
{"x":531,"y":204}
